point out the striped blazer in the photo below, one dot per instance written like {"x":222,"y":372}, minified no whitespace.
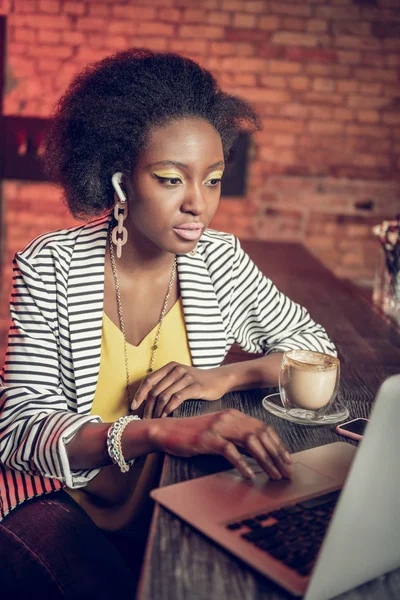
{"x":53,"y":357}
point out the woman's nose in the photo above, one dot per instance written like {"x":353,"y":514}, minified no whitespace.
{"x":194,"y":200}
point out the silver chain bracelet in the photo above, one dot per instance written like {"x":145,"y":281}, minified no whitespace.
{"x":114,"y":446}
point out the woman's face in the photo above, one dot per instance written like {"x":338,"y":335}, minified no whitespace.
{"x":175,"y":188}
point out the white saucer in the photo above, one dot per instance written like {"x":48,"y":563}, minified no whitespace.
{"x":336,"y":413}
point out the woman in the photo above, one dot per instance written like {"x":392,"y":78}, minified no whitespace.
{"x":127,"y":317}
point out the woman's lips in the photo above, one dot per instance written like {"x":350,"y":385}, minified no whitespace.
{"x":190,"y":231}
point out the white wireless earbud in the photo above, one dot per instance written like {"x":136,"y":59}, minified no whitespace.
{"x":116,"y":183}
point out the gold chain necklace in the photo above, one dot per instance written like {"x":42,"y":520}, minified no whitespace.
{"x":121,"y":317}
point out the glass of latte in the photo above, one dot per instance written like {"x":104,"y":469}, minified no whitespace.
{"x":308,"y":383}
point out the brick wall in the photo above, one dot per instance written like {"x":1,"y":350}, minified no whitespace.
{"x":324,"y":75}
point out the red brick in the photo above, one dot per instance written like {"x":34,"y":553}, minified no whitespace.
{"x":134,"y":13}
{"x":169,"y":15}
{"x":47,"y":6}
{"x":252,"y":36}
{"x":328,"y":70}
{"x":252,"y":6}
{"x":349,"y":57}
{"x":336,"y":13}
{"x":387,"y":75}
{"x":317,"y":25}
{"x":368,"y":116}
{"x":330,"y":128}
{"x":321,"y":113}
{"x":359,"y":43}
{"x":323,"y":85}
{"x":373,"y":131}
{"x":273,"y":81}
{"x":284,"y":67}
{"x":286,"y":157}
{"x":264,"y":95}
{"x":74,"y":8}
{"x":372,"y":102}
{"x":370,"y":160}
{"x":155,"y":29}
{"x":286,"y":125}
{"x":192,"y":46}
{"x":201,"y":32}
{"x":300,"y":39}
{"x":343,"y":114}
{"x":158,"y":44}
{"x":393,"y":60}
{"x":193,"y":16}
{"x":90,"y":24}
{"x":347,"y":85}
{"x":251,"y":65}
{"x":25,"y":35}
{"x":49,"y":37}
{"x":48,"y":64}
{"x":318,"y":98}
{"x":268,"y":51}
{"x":245,"y":79}
{"x":391,"y":118}
{"x":244,"y":20}
{"x":299,"y":83}
{"x":219,"y":18}
{"x":351,"y":28}
{"x":374,"y":59}
{"x":114,"y":42}
{"x":99,"y":10}
{"x":73,"y":37}
{"x":294,"y":24}
{"x":293,"y":8}
{"x":128,"y":27}
{"x":310,"y":54}
{"x":51,"y":51}
{"x":297,"y":111}
{"x":54,"y":22}
{"x":16,"y":49}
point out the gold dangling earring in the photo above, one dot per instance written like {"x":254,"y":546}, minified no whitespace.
{"x":119,"y":234}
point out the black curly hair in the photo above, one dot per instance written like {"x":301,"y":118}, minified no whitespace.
{"x":102,"y":121}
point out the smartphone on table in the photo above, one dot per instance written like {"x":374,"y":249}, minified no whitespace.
{"x":353,"y":429}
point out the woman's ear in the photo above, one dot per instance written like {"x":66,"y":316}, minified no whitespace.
{"x":116,"y":180}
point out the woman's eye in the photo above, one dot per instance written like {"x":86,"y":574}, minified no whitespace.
{"x":213,"y":182}
{"x":173,"y":181}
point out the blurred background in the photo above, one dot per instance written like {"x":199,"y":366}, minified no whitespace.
{"x":323,"y":74}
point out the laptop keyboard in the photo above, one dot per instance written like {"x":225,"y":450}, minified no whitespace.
{"x":292,"y":534}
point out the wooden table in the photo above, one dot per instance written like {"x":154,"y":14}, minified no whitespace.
{"x":180,"y":563}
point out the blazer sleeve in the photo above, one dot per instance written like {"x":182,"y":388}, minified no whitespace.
{"x":35,"y":420}
{"x":264,"y":320}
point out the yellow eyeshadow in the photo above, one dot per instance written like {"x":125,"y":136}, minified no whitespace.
{"x":168,"y":174}
{"x":214,"y":175}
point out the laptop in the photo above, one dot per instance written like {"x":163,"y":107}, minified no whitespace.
{"x":333,"y":526}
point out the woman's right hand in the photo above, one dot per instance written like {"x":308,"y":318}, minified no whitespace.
{"x":223,"y":433}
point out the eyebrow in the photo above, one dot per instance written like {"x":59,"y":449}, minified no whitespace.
{"x":176,"y":163}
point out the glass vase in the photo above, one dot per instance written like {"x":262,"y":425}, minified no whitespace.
{"x":386,"y":292}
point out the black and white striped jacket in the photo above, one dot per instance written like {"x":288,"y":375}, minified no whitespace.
{"x":53,"y":357}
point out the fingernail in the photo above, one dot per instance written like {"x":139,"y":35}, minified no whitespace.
{"x":164,"y":415}
{"x":288,"y":458}
{"x":134,"y":404}
{"x":250,"y":473}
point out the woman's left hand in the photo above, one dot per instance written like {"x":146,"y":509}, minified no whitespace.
{"x":165,"y":389}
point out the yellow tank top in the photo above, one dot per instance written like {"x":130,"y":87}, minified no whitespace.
{"x":113,"y":499}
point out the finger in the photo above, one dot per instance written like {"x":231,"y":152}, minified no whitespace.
{"x":159,"y":395}
{"x":232,"y":454}
{"x":284,"y":452}
{"x":276,"y":451}
{"x":149,"y":382}
{"x":257,"y":450}
{"x":164,"y":397}
{"x":190,"y":392}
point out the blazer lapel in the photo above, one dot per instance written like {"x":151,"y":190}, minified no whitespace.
{"x":85,"y":309}
{"x":204,"y":324}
